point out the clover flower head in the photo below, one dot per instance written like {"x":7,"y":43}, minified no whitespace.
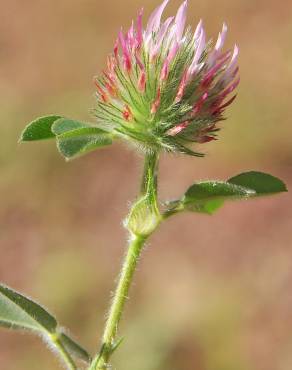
{"x":165,"y":86}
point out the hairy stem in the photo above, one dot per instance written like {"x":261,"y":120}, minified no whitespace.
{"x":67,"y":359}
{"x":119,"y":300}
{"x":136,"y":243}
{"x":121,"y":295}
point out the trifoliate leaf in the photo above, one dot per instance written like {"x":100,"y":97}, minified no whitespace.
{"x":20,"y":312}
{"x":208,"y":196}
{"x":39,"y":129}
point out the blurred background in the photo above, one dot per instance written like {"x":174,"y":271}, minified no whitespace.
{"x":211,"y":293}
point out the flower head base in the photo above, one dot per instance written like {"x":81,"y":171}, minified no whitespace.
{"x":166,"y":87}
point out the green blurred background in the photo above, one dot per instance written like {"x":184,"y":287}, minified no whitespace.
{"x":211,"y":293}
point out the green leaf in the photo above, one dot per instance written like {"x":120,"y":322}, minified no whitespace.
{"x":39,"y":129}
{"x":207,"y":197}
{"x":210,"y":190}
{"x":74,"y":348}
{"x":64,"y":125}
{"x":74,"y":138}
{"x":77,"y":138}
{"x":261,"y":183}
{"x":20,"y":312}
{"x":210,"y":207}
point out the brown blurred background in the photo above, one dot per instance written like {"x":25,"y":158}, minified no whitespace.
{"x":211,"y":293}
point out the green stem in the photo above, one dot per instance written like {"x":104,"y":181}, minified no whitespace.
{"x":121,"y":295}
{"x":119,"y":300}
{"x":149,"y":178}
{"x":136,"y":243}
{"x":67,"y":359}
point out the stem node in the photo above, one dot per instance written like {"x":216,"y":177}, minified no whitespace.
{"x":143,"y":219}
